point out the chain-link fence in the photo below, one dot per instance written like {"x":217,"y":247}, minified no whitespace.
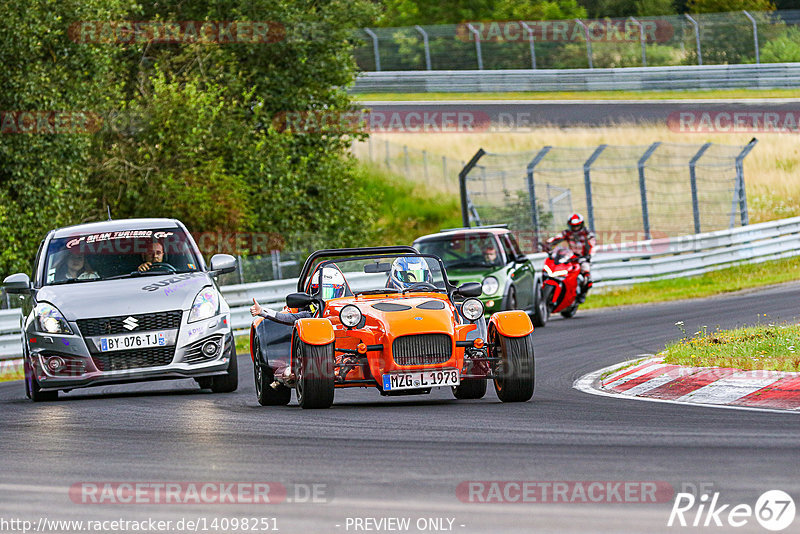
{"x":436,"y":172}
{"x":631,"y":192}
{"x":710,"y":39}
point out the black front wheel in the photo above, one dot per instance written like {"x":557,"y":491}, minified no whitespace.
{"x":470,"y":388}
{"x":32,"y":389}
{"x":229,"y":382}
{"x":514,"y":373}
{"x":315,"y":380}
{"x":541,"y":311}
{"x":264,"y":378}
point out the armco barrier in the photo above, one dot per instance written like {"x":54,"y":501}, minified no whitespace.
{"x":614,"y":264}
{"x":689,"y":77}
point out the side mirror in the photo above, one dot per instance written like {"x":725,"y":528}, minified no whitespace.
{"x":469,"y":289}
{"x":223,"y":263}
{"x":17,"y":284}
{"x":298,"y":300}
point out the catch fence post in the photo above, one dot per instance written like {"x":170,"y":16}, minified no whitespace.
{"x":375,"y":48}
{"x":696,"y":38}
{"x":530,"y":39}
{"x":425,"y":165}
{"x":478,"y":52}
{"x":588,"y":42}
{"x":641,"y":40}
{"x":386,"y":155}
{"x":744,"y":218}
{"x":693,"y":181}
{"x":427,"y":47}
{"x":462,"y":185}
{"x":532,"y":193}
{"x":755,"y":36}
{"x":587,"y":182}
{"x":405,"y":160}
{"x":643,"y":188}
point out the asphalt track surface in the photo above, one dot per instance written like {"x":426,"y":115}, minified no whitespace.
{"x":404,"y":457}
{"x":511,"y":115}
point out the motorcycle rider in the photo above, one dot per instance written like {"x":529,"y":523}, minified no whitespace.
{"x":581,"y":242}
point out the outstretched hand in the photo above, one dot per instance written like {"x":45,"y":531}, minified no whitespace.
{"x":256,"y":308}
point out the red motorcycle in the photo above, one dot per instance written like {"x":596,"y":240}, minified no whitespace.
{"x":560,"y":282}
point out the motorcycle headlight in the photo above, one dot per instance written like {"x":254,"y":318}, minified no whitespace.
{"x":206,"y":304}
{"x":472,"y":309}
{"x":350,"y":316}
{"x":50,"y":321}
{"x":490,"y":285}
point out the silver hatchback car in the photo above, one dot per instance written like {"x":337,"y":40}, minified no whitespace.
{"x":123,"y":301}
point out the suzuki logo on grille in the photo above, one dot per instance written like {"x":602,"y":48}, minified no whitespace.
{"x":130,"y":323}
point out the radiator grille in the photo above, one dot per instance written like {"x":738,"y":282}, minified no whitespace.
{"x":105,"y":326}
{"x":422,"y":349}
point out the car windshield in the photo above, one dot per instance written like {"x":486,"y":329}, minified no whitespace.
{"x":377,"y":274}
{"x":464,"y":251}
{"x":122,"y":254}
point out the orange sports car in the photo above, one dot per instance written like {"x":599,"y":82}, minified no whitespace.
{"x":388,"y":318}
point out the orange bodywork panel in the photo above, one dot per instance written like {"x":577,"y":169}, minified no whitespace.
{"x":513,"y":323}
{"x":315,"y":331}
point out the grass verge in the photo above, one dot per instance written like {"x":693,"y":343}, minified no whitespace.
{"x":714,"y":283}
{"x":586,"y":95}
{"x":9,"y":372}
{"x":406,"y":209}
{"x":764,"y":347}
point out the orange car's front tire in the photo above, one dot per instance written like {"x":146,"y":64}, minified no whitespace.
{"x":514,"y":377}
{"x":315,"y":379}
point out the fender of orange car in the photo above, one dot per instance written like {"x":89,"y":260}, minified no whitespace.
{"x":512,"y":323}
{"x":315,"y":331}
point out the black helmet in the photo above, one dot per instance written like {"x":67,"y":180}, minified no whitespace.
{"x":575,"y":222}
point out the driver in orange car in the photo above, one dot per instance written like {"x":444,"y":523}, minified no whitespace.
{"x":333,"y":286}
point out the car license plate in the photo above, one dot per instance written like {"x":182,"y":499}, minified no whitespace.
{"x":421,"y":379}
{"x":133,"y":341}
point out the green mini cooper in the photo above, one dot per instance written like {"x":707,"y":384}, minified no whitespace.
{"x":491,"y":256}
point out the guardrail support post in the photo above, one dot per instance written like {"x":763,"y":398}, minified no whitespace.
{"x":478,"y":53}
{"x":643,"y":188}
{"x":755,"y":36}
{"x":462,"y":184}
{"x":693,"y":181}
{"x":587,"y":181}
{"x":696,"y":38}
{"x":588,"y":42}
{"x":427,"y":46}
{"x":745,"y":219}
{"x":530,"y":39}
{"x":532,"y":194}
{"x":375,"y":48}
{"x":641,"y":40}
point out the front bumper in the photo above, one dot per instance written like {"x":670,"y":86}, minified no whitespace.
{"x":79,"y":363}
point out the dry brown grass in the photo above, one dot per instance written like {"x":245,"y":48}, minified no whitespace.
{"x":772,"y":170}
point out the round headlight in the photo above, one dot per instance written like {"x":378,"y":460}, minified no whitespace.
{"x":490,"y":285}
{"x":472,"y":309}
{"x":350,"y":316}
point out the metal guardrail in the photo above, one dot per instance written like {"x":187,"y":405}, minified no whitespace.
{"x":749,"y":76}
{"x":612,"y":265}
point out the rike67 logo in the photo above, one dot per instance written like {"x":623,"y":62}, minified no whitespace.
{"x":774,"y":510}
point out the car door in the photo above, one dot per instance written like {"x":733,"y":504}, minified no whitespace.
{"x":523,"y":272}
